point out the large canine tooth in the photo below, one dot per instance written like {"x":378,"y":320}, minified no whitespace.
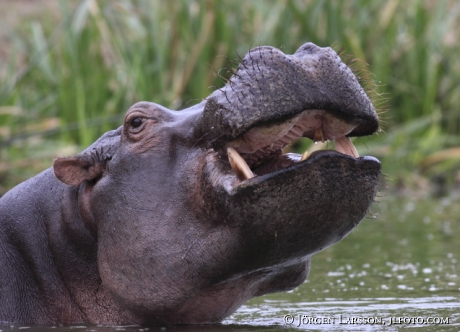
{"x":304,"y":155}
{"x":319,"y":135}
{"x":345,"y":146}
{"x":239,"y":166}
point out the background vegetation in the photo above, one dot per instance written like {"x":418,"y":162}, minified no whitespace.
{"x":69,"y":70}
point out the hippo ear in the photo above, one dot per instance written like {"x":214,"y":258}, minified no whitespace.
{"x":91,"y":163}
{"x":75,"y":170}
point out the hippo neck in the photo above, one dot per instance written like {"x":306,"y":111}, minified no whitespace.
{"x":76,"y":239}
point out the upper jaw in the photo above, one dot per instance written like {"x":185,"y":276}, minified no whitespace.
{"x":274,"y":98}
{"x":270,"y":86}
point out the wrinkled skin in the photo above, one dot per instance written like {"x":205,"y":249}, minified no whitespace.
{"x":152,"y":224}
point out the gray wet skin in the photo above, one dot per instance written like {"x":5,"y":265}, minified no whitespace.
{"x":151,"y":224}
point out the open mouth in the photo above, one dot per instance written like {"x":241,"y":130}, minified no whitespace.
{"x":260,"y":150}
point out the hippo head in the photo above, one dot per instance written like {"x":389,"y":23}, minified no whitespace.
{"x":196,"y":211}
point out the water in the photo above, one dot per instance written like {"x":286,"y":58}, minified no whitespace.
{"x":398,"y":269}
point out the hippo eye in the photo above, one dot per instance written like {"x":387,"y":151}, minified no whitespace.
{"x":136,"y":122}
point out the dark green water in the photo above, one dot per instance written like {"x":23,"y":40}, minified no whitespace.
{"x":399,"y":270}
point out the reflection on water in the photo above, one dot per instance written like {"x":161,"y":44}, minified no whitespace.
{"x":395,"y":271}
{"x":354,"y":314}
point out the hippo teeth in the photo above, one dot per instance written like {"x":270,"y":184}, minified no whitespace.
{"x":304,"y":156}
{"x":260,"y":149}
{"x":342,"y":145}
{"x":345,"y":146}
{"x":318,"y":136}
{"x":239,"y":165}
{"x":271,"y":159}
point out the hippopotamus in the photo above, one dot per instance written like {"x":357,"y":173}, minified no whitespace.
{"x":179,"y":217}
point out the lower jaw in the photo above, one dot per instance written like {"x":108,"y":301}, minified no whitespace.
{"x":284,"y":160}
{"x":325,"y":170}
